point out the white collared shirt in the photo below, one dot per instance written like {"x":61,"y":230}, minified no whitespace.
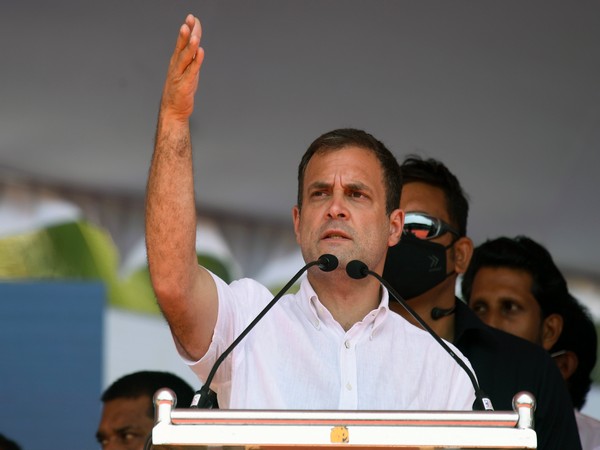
{"x":299,"y":357}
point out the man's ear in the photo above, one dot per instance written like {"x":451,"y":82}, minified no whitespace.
{"x":296,"y":220}
{"x":551,"y":330}
{"x":463,"y":250}
{"x":567,"y":363}
{"x":396,"y":226}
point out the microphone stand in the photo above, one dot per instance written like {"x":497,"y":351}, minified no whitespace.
{"x":357,"y":270}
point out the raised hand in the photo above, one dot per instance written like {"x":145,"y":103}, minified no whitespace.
{"x":184,"y":69}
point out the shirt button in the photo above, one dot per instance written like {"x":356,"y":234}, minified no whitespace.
{"x":347,"y":344}
{"x":349,"y":386}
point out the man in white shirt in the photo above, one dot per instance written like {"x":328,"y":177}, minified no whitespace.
{"x":335,"y":344}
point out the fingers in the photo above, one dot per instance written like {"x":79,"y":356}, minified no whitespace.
{"x":191,"y":26}
{"x":197,"y":29}
{"x":198,"y":58}
{"x":183,"y":72}
{"x":188,"y":44}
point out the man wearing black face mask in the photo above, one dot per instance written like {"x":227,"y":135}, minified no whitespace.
{"x":423,"y":268}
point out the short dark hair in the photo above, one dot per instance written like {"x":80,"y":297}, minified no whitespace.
{"x":435,"y":173}
{"x":579,"y":336}
{"x":146,"y":383}
{"x":549,"y":287}
{"x":345,"y":137}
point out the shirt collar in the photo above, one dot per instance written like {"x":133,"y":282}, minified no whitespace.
{"x":317,"y":313}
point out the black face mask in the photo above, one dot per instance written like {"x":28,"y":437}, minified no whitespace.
{"x":414,"y":266}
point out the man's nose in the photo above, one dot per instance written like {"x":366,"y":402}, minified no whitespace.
{"x":492,"y":319}
{"x":338,"y":207}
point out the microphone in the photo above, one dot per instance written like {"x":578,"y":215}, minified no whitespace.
{"x":438,"y":313}
{"x":206,"y":398}
{"x":358,"y":270}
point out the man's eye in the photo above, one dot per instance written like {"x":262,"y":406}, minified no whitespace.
{"x":511,"y":308}
{"x":128,"y":436}
{"x":479,"y":308}
{"x":357,"y":194}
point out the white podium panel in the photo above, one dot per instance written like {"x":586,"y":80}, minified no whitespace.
{"x":416,"y":430}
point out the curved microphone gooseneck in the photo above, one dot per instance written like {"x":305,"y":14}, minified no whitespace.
{"x":206,"y":398}
{"x":357,"y":269}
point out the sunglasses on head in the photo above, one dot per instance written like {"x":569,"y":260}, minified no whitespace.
{"x":426,"y":227}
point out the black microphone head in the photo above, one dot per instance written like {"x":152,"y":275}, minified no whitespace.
{"x":438,"y":313}
{"x":328,"y":262}
{"x":357,"y":269}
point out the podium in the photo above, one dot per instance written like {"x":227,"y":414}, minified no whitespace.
{"x":179,"y":429}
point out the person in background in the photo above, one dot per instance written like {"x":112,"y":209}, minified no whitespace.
{"x":128,"y":408}
{"x":575,"y":354}
{"x":423,"y":269}
{"x":513,"y":284}
{"x":338,"y":345}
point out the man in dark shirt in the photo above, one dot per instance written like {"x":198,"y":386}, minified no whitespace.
{"x":513,"y":284}
{"x":423,"y":268}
